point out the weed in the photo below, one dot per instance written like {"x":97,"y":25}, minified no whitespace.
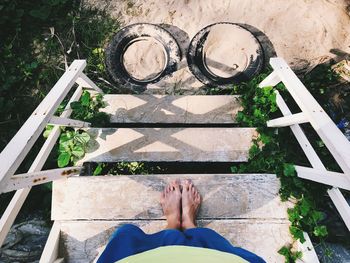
{"x":273,"y":152}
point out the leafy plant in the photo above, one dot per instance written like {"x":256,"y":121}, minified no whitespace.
{"x":87,"y":109}
{"x":72,"y":146}
{"x":273,"y":152}
{"x":126,"y":168}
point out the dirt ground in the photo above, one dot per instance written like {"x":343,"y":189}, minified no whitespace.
{"x":303,"y":32}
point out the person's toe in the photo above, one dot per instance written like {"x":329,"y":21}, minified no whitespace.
{"x":187,"y":184}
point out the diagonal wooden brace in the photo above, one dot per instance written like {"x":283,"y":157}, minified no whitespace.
{"x":85,"y":82}
{"x":68,"y":122}
{"x":30,"y":179}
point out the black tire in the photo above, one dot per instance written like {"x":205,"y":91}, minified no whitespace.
{"x":199,"y":69}
{"x":128,"y":35}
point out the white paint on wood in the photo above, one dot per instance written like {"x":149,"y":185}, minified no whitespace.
{"x":51,"y":249}
{"x":60,"y":121}
{"x":172,"y":108}
{"x":20,"y":181}
{"x":169,"y":144}
{"x":330,"y":134}
{"x":271,"y":80}
{"x":137,"y":196}
{"x":324,"y":177}
{"x":288,"y":120}
{"x":308,"y":250}
{"x":341,"y":204}
{"x":86,"y":82}
{"x":18,"y":199}
{"x":9,"y":216}
{"x":300,"y":135}
{"x":16,"y":150}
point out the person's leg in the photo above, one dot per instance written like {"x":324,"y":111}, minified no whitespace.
{"x":205,"y":237}
{"x":130,"y":240}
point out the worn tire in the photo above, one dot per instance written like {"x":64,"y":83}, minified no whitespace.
{"x":198,"y":66}
{"x":127,"y":36}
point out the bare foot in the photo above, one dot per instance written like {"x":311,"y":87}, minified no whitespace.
{"x":170,"y":200}
{"x":191,"y":201}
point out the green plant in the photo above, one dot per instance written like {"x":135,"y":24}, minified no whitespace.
{"x":289,"y":255}
{"x":272,"y":152}
{"x":87,"y":109}
{"x":129,"y":168}
{"x":72,"y":146}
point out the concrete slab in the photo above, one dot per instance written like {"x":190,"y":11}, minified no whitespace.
{"x":225,"y":196}
{"x":169,"y":144}
{"x":82,"y":241}
{"x":172,"y":109}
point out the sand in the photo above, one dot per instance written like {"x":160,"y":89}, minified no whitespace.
{"x":144,"y":59}
{"x":228,"y":50}
{"x":303,"y":32}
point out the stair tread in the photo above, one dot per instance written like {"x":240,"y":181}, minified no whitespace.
{"x":225,"y":196}
{"x":169,"y":144}
{"x":172,"y":108}
{"x":84,"y":240}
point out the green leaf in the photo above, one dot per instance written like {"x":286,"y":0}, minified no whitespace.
{"x":284,"y":251}
{"x":288,"y":169}
{"x":316,"y":216}
{"x":320,"y":231}
{"x":63,"y":159}
{"x":305,"y":207}
{"x":82,"y":137}
{"x":98,"y":169}
{"x":85,"y":98}
{"x":76,"y":106}
{"x":78,"y":151}
{"x":297,"y":233}
{"x":47,"y":131}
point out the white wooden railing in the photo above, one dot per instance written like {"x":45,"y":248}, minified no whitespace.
{"x":329,"y":133}
{"x":17,"y":149}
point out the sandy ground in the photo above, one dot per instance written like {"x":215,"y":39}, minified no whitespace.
{"x":303,"y":32}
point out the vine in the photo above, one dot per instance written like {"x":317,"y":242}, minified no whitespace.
{"x":275,"y":149}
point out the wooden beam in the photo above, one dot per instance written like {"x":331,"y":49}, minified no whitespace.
{"x":51,"y":248}
{"x":68,"y":122}
{"x":271,"y":80}
{"x":297,"y":118}
{"x":16,"y":150}
{"x":308,"y":250}
{"x":30,"y":179}
{"x":330,"y":134}
{"x":341,"y":204}
{"x":300,"y":136}
{"x":20,"y":196}
{"x":324,"y":177}
{"x":85,"y":82}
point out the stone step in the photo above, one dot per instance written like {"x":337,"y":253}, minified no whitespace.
{"x":225,"y":196}
{"x":169,"y":144}
{"x":83,"y":241}
{"x":172,"y":108}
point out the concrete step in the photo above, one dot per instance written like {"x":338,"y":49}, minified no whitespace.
{"x":172,"y":108}
{"x":136,"y":197}
{"x":169,"y":144}
{"x":82,"y":241}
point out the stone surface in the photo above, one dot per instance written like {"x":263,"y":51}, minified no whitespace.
{"x":169,"y":144}
{"x":25,"y":242}
{"x":82,"y":241}
{"x":171,"y":109}
{"x":137,"y":197}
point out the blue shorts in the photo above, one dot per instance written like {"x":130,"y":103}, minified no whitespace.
{"x":129,"y":240}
